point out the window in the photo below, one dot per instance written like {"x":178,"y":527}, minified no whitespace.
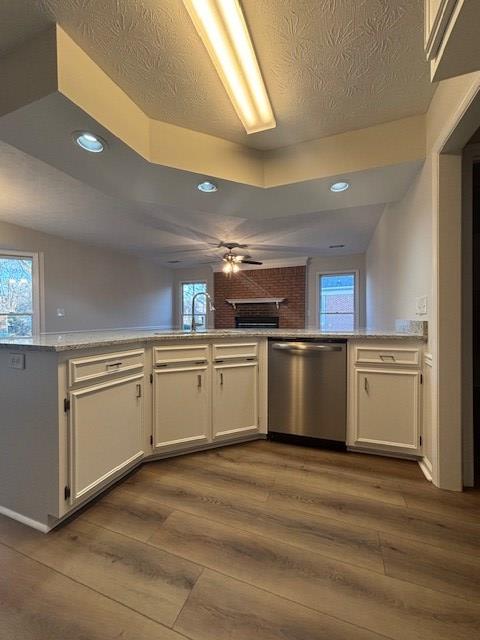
{"x":18,"y":295}
{"x":188,"y":290}
{"x":337,"y":301}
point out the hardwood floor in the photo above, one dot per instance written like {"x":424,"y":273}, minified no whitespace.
{"x":261,"y":540}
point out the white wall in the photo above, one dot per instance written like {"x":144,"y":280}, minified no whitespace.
{"x":399,"y":269}
{"x":98,"y":288}
{"x":190,"y":274}
{"x":333,"y":263}
{"x":399,"y":257}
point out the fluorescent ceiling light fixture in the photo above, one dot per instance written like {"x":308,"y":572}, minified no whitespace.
{"x":223,"y":30}
{"x":207,"y":187}
{"x":338,"y":187}
{"x":89,"y":142}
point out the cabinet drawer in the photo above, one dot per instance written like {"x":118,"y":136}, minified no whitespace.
{"x":180,"y":353}
{"x":400,"y":356}
{"x":232,"y":351}
{"x":106,"y":364}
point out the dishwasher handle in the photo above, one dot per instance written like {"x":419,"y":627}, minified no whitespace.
{"x":302,"y":347}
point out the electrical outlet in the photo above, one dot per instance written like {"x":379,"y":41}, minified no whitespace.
{"x":60,"y":312}
{"x":16,"y":360}
{"x":421,"y":305}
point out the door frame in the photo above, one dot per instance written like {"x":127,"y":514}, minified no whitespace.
{"x":445,"y":148}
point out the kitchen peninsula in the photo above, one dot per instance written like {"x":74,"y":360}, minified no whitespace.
{"x":81,"y":410}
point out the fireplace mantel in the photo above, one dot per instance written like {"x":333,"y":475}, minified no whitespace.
{"x":235,"y":301}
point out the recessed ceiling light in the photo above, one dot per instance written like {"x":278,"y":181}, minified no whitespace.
{"x":224,"y":32}
{"x":207,"y":187}
{"x":337,"y":187}
{"x":89,"y":142}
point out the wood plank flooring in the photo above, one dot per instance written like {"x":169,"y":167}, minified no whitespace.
{"x":261,"y":540}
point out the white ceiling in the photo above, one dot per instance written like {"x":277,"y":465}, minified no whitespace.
{"x":36,"y":195}
{"x":330,"y":65}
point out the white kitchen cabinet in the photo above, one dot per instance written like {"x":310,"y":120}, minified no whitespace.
{"x":452,"y":45}
{"x":105,"y":429}
{"x":386,"y":409}
{"x":181,"y":406}
{"x":94,"y":414}
{"x":235,"y":399}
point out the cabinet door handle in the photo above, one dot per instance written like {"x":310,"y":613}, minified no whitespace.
{"x":365,"y":384}
{"x":139,"y":390}
{"x":221,"y":379}
{"x":199,"y":381}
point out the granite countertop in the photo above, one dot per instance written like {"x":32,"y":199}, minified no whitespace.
{"x":92,"y":339}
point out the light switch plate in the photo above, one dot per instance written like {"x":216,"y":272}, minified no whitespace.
{"x":16,"y":360}
{"x":421,"y":305}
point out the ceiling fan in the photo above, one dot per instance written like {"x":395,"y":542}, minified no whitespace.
{"x":231,"y":259}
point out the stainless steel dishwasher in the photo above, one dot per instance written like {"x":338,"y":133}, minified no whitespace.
{"x":307,"y":391}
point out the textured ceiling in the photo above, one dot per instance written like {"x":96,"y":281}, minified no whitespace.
{"x":330,"y":65}
{"x":35,"y":195}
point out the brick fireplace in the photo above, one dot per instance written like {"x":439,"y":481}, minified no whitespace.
{"x":278,"y":282}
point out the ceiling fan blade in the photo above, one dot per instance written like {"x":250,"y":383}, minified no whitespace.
{"x":251,"y":262}
{"x":229,"y":245}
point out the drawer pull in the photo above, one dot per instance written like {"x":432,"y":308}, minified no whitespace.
{"x":221,"y":379}
{"x":114,"y":364}
{"x":199,"y":381}
{"x":365,"y":384}
{"x":139,"y":390}
{"x":387,"y":358}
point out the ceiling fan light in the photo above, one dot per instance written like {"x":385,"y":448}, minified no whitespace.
{"x":235,"y":268}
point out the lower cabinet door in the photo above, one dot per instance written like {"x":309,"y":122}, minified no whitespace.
{"x":105,"y":433}
{"x":386,"y":409}
{"x":235,"y":399}
{"x":181,"y":407}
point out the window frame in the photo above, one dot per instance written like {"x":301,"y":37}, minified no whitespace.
{"x":356,"y":305}
{"x":181,"y":314}
{"x":37,"y":300}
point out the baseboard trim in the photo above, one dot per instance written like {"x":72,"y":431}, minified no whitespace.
{"x":44,"y":528}
{"x":426,"y":468}
{"x":162,"y":455}
{"x":384,"y":454}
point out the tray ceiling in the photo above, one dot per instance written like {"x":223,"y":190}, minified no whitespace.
{"x":40,"y":197}
{"x":329,"y":65}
